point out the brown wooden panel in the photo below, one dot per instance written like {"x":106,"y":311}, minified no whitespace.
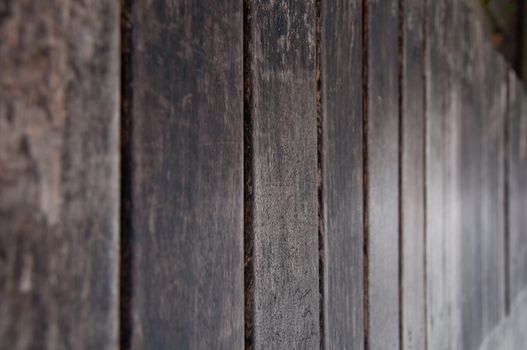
{"x":285,"y":211}
{"x":342,"y":172}
{"x":382,"y":194}
{"x":59,"y":174}
{"x":183,"y":220}
{"x":412,"y":182}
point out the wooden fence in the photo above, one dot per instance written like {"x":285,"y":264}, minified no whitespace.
{"x":301,"y":174}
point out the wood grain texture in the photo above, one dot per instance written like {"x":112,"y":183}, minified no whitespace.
{"x":285,"y":222}
{"x":517,"y":187}
{"x":494,"y":108}
{"x":382,"y":133}
{"x":480,"y":167}
{"x":341,"y":75}
{"x":412,"y":182}
{"x":184,"y":190}
{"x":471,"y":193}
{"x":59,"y":174}
{"x":443,"y":115}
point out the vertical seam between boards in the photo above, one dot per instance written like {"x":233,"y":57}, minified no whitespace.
{"x":248,"y":196}
{"x":425,"y":170}
{"x":364,"y":77}
{"x":320,"y":189}
{"x":400,"y":161}
{"x":506,"y":196}
{"x":126,"y":169}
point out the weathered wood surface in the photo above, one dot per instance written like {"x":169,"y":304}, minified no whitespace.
{"x":401,"y":224}
{"x":482,"y":187}
{"x":494,"y":108}
{"x":517,"y":187}
{"x":481,"y":166}
{"x":471,"y":130}
{"x":412,"y":182}
{"x":382,"y":193}
{"x":59,"y":178}
{"x":285,"y":210}
{"x":342,"y":180}
{"x":183,"y":161}
{"x":442,"y":201}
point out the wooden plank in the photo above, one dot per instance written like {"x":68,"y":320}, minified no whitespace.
{"x":481,"y":186}
{"x":382,"y":135}
{"x":285,"y":210}
{"x":412,"y":182}
{"x":342,"y":173}
{"x":183,"y":186}
{"x":471,"y":185}
{"x":517,"y":187}
{"x":494,"y":103}
{"x":443,"y":114}
{"x":59,"y":174}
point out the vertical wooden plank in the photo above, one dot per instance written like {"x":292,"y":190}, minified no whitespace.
{"x":470,"y":178}
{"x":342,"y":172}
{"x":481,"y":185}
{"x":494,"y":104}
{"x":59,"y":174}
{"x":412,"y":172}
{"x":382,"y":195}
{"x":453,"y":233}
{"x":436,"y":80}
{"x":517,"y":184}
{"x":285,"y":211}
{"x":184,"y":191}
{"x":443,"y":112}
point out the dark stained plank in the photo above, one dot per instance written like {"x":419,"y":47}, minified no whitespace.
{"x":59,"y":174}
{"x":443,"y":115}
{"x":382,"y":194}
{"x":517,"y":187}
{"x":412,"y":182}
{"x":285,"y":210}
{"x":184,"y":161}
{"x":341,"y":57}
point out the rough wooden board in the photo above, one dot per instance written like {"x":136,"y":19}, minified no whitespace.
{"x":59,"y":174}
{"x":471,"y":194}
{"x":471,"y":185}
{"x":442,"y":197}
{"x":184,"y":162}
{"x":285,"y":214}
{"x":412,"y":172}
{"x":517,"y":186}
{"x":382,"y":174}
{"x":342,"y":173}
{"x":494,"y":103}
